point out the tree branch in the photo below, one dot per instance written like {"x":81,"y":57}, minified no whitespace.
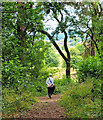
{"x":54,"y":43}
{"x":96,"y":47}
{"x":66,"y":12}
{"x":61,"y":16}
{"x":90,"y":30}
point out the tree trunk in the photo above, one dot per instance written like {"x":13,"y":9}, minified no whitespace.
{"x":68,"y":68}
{"x":21,"y":30}
{"x":66,"y":59}
{"x":92,"y":50}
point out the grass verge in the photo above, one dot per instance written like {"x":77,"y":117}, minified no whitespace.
{"x":80,"y":102}
{"x":14,"y":105}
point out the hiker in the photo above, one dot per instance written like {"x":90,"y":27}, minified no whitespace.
{"x":50,"y":85}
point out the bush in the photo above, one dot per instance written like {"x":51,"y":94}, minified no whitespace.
{"x":12,"y":73}
{"x":89,"y":67}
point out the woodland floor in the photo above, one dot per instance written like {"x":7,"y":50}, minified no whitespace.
{"x":46,"y":108}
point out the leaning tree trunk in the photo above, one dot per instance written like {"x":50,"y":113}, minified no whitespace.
{"x":66,"y":59}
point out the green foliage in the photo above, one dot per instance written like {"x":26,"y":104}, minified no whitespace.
{"x":37,"y":86}
{"x":80,"y":47}
{"x":75,"y":58}
{"x":40,"y":83}
{"x":23,"y":56}
{"x":15,"y":72}
{"x":35,"y":57}
{"x":89,"y":22}
{"x":14,"y":103}
{"x":89,"y":67}
{"x":74,"y":51}
{"x":61,"y":84}
{"x":51,"y":58}
{"x":23,"y":53}
{"x":12,"y":73}
{"x":54,"y":70}
{"x":77,"y":101}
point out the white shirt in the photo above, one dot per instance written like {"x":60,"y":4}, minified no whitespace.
{"x":49,"y":81}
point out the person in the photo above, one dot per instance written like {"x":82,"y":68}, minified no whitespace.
{"x":50,"y":85}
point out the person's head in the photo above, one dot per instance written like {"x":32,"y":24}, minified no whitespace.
{"x":50,"y":74}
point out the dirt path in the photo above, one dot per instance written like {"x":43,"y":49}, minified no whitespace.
{"x":46,"y":108}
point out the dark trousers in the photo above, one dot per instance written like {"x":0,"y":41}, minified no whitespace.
{"x":51,"y":90}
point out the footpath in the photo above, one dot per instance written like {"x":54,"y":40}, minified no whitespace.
{"x":46,"y":108}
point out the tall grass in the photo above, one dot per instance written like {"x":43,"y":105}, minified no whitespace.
{"x":14,"y":104}
{"x":80,"y":102}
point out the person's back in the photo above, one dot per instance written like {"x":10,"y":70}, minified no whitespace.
{"x":49,"y":81}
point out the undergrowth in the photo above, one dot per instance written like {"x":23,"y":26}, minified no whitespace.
{"x":14,"y":104}
{"x":61,"y":85}
{"x":80,"y":101}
